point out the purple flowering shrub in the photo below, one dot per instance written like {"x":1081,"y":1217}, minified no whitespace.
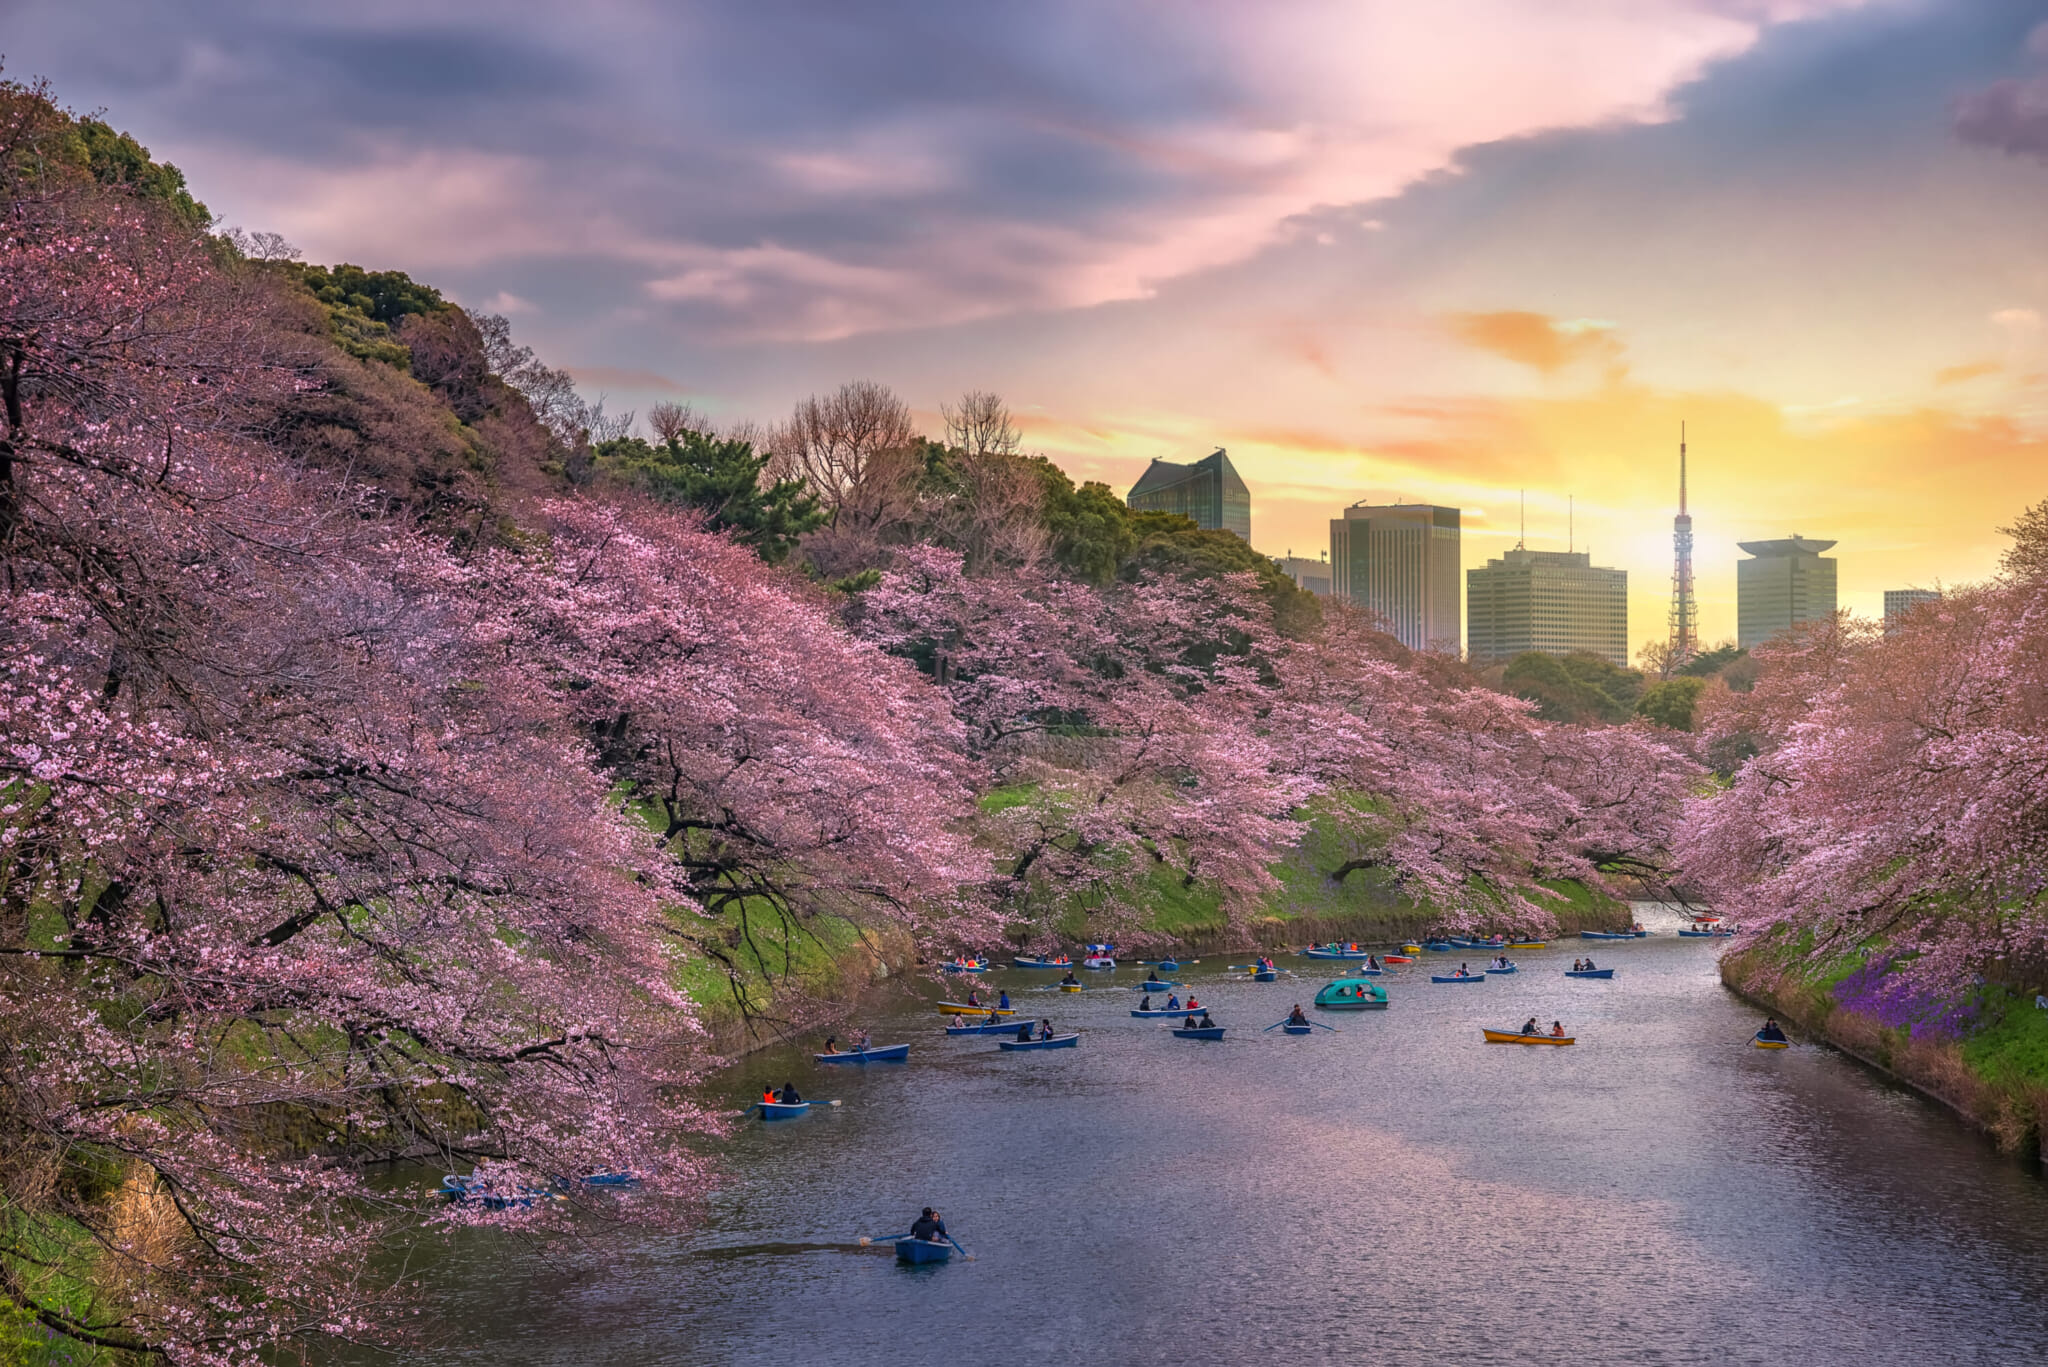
{"x":1896,"y":1001}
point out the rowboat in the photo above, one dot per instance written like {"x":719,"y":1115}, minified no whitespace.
{"x":1167,"y":966}
{"x":963,"y":1009}
{"x":1266,"y":975}
{"x":1706,"y":918}
{"x":1589,"y":972}
{"x":782,"y":1110}
{"x":882,"y":1055}
{"x":1708,"y":934}
{"x":1772,"y":1043}
{"x":1070,"y":987}
{"x":1297,"y":1029}
{"x":922,"y":1251}
{"x":985,"y":1028}
{"x":1408,"y":958}
{"x":611,"y":1179}
{"x":1511,"y":968}
{"x":1525,"y":944}
{"x":1454,"y":978}
{"x":1067,"y":1041}
{"x":1411,"y":949}
{"x":1198,"y":1032}
{"x":1062,"y":962}
{"x":465,"y":1190}
{"x":1351,"y":994}
{"x":1438,"y":946}
{"x":1162,"y":1011}
{"x":1154,"y":985}
{"x":1314,"y":953}
{"x":1517,"y":1037}
{"x":1612,"y":934}
{"x":966,"y":966}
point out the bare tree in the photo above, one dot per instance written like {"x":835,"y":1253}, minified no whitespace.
{"x":831,"y":442}
{"x":261,"y":246}
{"x":980,"y":425}
{"x":670,"y":420}
{"x":551,"y":393}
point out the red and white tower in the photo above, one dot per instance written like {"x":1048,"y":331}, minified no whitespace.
{"x":1685,"y":632}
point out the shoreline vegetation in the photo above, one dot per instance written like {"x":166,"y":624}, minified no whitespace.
{"x":1987,"y":1063}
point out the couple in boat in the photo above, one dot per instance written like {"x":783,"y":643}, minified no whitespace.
{"x":1024,"y":1035}
{"x":785,"y":1095}
{"x":1530,"y":1027}
{"x":1582,"y":965}
{"x":1192,"y":1024}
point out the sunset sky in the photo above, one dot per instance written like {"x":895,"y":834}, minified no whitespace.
{"x":1444,"y":250}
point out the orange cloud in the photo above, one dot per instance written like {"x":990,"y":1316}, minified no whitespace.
{"x":1536,"y":340}
{"x":1971,"y":370}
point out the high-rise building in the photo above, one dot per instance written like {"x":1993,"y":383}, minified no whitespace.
{"x":1899,"y":602}
{"x":1400,"y":562}
{"x":1685,"y":622}
{"x":1553,"y":601}
{"x":1209,"y":491}
{"x":1789,"y":581}
{"x":1310,"y":576}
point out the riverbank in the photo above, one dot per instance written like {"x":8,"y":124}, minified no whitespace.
{"x":1993,"y":1071}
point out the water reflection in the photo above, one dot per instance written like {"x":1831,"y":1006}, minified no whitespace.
{"x":1659,"y":1193}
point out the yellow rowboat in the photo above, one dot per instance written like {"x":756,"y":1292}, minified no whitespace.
{"x":963,"y":1009}
{"x":1411,"y":949}
{"x":1772,"y":1043}
{"x":1529,"y":944}
{"x":1070,"y":987}
{"x":1517,"y":1037}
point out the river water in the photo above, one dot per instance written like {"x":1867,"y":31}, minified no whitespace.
{"x":1399,"y":1192}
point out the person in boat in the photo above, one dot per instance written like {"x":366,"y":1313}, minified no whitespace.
{"x":1146,"y":1004}
{"x":1589,"y":965}
{"x":1297,"y":1016}
{"x":1557,"y":1029}
{"x":1464,"y":970}
{"x":994,"y":1015}
{"x":1070,"y":979}
{"x":1024,"y":1033}
{"x":768,"y":1095}
{"x":1173,"y":1001}
{"x":1771,"y":1031}
{"x":1045,"y":1029}
{"x":1529,"y":1027}
{"x":928,"y":1227}
{"x":862,"y":1039}
{"x":1373,"y":961}
{"x":1578,"y":965}
{"x":1193,"y":1005}
{"x":831,"y":1044}
{"x":973,"y":997}
{"x":1189,"y":1023}
{"x":1207,"y":1024}
{"x":1003,"y":1000}
{"x":789,"y":1096}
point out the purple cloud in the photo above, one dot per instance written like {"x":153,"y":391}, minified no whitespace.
{"x":2011,"y":115}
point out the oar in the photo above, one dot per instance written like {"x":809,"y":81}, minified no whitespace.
{"x":866,"y":1240}
{"x":956,"y":1248}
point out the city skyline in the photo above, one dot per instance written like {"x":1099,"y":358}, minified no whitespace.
{"x":1395,"y":261}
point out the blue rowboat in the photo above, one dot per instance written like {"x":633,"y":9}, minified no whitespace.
{"x":985,"y":1028}
{"x":885,"y":1054}
{"x":1154,"y":985}
{"x":1266,"y":975}
{"x":611,"y":1179}
{"x":1708,"y":934}
{"x":1199,"y":1032}
{"x":1042,"y":963}
{"x":782,"y":1110}
{"x":1313,"y":953}
{"x":922,"y":1251}
{"x":1454,"y":978}
{"x":1297,"y":1029}
{"x":980,"y":966}
{"x":468,"y":1190}
{"x":1612,"y":934}
{"x":1163,"y":1011}
{"x":1438,"y":945}
{"x":1067,"y":1041}
{"x":1351,"y":994}
{"x":1589,"y":972}
{"x":1167,"y":966}
{"x":1511,"y":968}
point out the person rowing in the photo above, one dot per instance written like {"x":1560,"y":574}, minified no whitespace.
{"x":1024,"y":1033}
{"x":1529,"y":1027}
{"x":1578,"y":965}
{"x":928,"y":1227}
{"x":973,"y":997}
{"x":1207,"y":1024}
{"x":1045,"y":1029}
{"x":1070,"y":980}
{"x":1464,"y":970}
{"x":1188,"y":1024}
{"x":1772,"y":1031}
{"x":1297,"y":1016}
{"x":1589,"y":965}
{"x":789,"y":1095}
{"x":1372,"y":961}
{"x":994,"y":1015}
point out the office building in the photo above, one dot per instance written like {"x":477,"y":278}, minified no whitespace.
{"x":1310,"y":576}
{"x":1899,"y":602}
{"x":1787,"y":582}
{"x":1400,"y":562}
{"x":1553,"y":601}
{"x":1209,"y":491}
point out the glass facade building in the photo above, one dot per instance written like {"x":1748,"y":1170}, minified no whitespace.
{"x":1209,"y":491}
{"x":1553,"y":601}
{"x":1787,"y":582}
{"x":1899,"y":602}
{"x":1400,"y":562}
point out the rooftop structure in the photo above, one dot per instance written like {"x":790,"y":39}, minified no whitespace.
{"x":1310,"y":576}
{"x":1898,"y":603}
{"x":1210,"y":491}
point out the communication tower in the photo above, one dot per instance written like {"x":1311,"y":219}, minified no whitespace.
{"x":1685,"y":641}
